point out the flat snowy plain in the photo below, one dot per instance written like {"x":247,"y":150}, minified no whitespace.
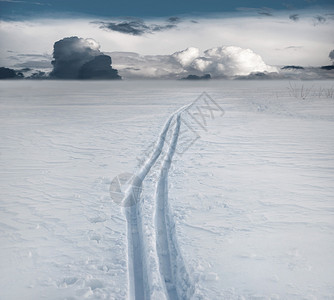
{"x":236,"y":194}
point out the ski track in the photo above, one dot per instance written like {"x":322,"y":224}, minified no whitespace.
{"x":174,"y":280}
{"x":172,"y":268}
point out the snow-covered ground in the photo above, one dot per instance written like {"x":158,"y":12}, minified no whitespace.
{"x":236,"y":190}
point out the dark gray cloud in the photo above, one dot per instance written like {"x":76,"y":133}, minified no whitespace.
{"x":318,"y":20}
{"x":7,"y":73}
{"x":292,"y":67}
{"x":39,"y":75}
{"x":265,"y":13}
{"x":98,"y":68}
{"x":70,"y":54}
{"x":174,"y":20}
{"x":258,"y":76}
{"x":78,"y":58}
{"x":294,"y":17}
{"x":196,"y":77}
{"x":155,"y":28}
{"x":138,"y":27}
{"x":132,"y":27}
{"x":331,"y":55}
{"x":328,"y":68}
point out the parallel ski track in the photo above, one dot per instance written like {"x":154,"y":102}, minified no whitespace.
{"x":172,"y":269}
{"x":139,"y":287}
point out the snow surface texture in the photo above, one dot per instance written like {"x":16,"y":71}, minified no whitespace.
{"x":243,"y":200}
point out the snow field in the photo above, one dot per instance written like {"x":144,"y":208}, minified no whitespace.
{"x":246,"y":210}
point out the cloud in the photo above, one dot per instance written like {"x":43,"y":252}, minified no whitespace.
{"x":230,"y":61}
{"x":133,"y":27}
{"x":196,"y":77}
{"x":331,"y":56}
{"x":247,"y":30}
{"x":34,"y":61}
{"x":318,"y":20}
{"x":290,"y":49}
{"x":135,"y":66}
{"x":78,"y":58}
{"x":137,"y":27}
{"x":219,"y":62}
{"x":98,"y":68}
{"x":36,"y":64}
{"x":7,"y":73}
{"x":307,"y":73}
{"x":265,"y":13}
{"x":293,"y":47}
{"x":294,"y":17}
{"x":187,"y":56}
{"x":292,"y":68}
{"x":174,"y":20}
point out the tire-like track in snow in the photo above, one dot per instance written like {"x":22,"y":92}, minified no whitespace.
{"x":171,"y":268}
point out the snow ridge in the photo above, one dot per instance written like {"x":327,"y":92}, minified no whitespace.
{"x":172,"y":280}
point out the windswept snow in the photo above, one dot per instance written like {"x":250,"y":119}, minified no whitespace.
{"x":233,"y":205}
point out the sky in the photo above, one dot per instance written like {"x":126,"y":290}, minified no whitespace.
{"x":297,"y":32}
{"x":145,"y":8}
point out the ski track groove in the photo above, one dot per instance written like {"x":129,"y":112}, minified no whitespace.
{"x":172,"y":268}
{"x":172,"y":271}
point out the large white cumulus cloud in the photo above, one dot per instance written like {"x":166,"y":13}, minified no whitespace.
{"x":219,"y":62}
{"x":187,"y":56}
{"x":230,"y":61}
